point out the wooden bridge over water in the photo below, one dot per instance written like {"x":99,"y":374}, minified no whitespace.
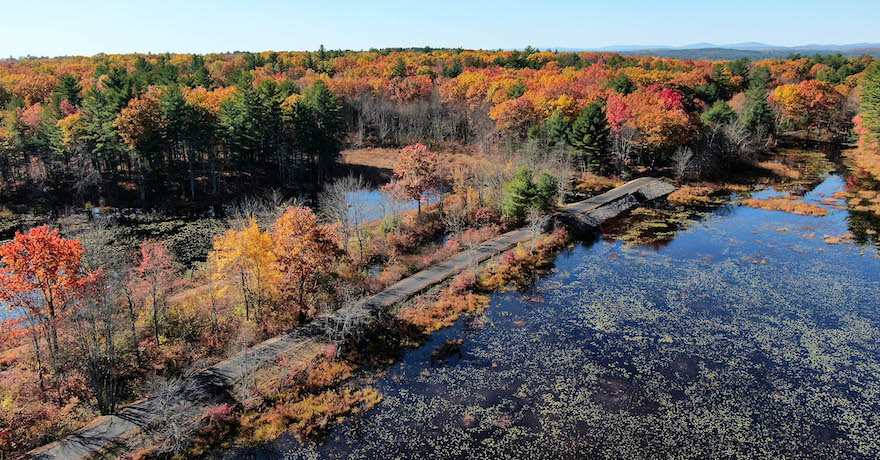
{"x":115,"y":432}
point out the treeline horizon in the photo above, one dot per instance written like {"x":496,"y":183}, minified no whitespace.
{"x":150,"y":129}
{"x":779,"y":52}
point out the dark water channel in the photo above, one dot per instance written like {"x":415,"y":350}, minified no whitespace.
{"x":746,"y":335}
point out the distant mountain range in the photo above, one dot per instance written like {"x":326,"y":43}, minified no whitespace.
{"x":750,"y":46}
{"x":753,"y":50}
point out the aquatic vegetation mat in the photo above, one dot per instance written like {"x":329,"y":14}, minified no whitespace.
{"x":741,"y":337}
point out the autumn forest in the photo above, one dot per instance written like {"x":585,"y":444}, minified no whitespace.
{"x":163,"y":213}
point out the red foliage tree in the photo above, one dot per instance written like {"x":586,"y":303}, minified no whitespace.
{"x":823,"y":105}
{"x":32,"y":117}
{"x":417,"y":173}
{"x":410,"y":88}
{"x":154,"y":278}
{"x":33,"y":88}
{"x":67,"y":108}
{"x":657,"y":114}
{"x":42,"y":277}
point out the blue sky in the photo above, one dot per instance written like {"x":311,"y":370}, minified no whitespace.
{"x":60,"y":27}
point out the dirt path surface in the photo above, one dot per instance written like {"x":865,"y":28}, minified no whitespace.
{"x":205,"y":388}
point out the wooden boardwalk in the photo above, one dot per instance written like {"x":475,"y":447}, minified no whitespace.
{"x":204,"y":389}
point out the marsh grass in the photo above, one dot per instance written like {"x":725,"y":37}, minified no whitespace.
{"x":588,"y":182}
{"x":780,"y":169}
{"x":705,"y":194}
{"x":785,"y":205}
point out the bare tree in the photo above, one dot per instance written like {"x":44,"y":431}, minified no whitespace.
{"x":98,"y":321}
{"x":391,"y":210}
{"x":681,"y":162}
{"x":624,"y":146}
{"x":456,"y":218}
{"x":721,"y":148}
{"x":743,"y":143}
{"x":388,"y":122}
{"x":96,"y":324}
{"x":490,"y":183}
{"x":339,"y":202}
{"x":242,"y":343}
{"x":344,"y":324}
{"x":173,"y":401}
{"x":264,"y":208}
{"x":472,"y":244}
{"x":536,"y":223}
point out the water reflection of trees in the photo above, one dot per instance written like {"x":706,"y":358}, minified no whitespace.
{"x":654,"y":226}
{"x":865,"y":227}
{"x":863,"y":224}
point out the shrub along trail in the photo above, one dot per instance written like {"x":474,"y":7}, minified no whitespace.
{"x":208,"y":386}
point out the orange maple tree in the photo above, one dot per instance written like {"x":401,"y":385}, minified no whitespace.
{"x":815,"y":105}
{"x":305,"y":249}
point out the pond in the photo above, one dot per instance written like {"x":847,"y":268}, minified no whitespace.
{"x":746,"y":335}
{"x":378,"y":204}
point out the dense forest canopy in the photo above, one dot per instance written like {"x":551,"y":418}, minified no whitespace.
{"x":153,"y":128}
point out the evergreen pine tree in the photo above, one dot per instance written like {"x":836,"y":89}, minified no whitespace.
{"x":176,"y":124}
{"x":519,"y":194}
{"x":760,"y":77}
{"x":105,"y":150}
{"x":622,"y":84}
{"x":758,"y":114}
{"x":327,"y":139}
{"x":5,"y":97}
{"x":557,"y":128}
{"x":871,"y":100}
{"x":200,"y":75}
{"x":546,"y":192}
{"x":589,"y":136}
{"x":399,"y":69}
{"x":70,"y":89}
{"x":721,"y":112}
{"x":454,"y":70}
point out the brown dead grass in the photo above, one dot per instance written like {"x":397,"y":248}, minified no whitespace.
{"x":705,"y":192}
{"x":377,"y":158}
{"x":780,"y":169}
{"x":865,"y":200}
{"x":832,"y":239}
{"x":829,"y":202}
{"x":589,"y":182}
{"x":688,"y":195}
{"x":779,"y":204}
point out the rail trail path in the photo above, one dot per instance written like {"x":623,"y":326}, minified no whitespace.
{"x":109,"y":433}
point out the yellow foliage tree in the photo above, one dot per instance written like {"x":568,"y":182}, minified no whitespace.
{"x":790,"y":100}
{"x":245,"y":259}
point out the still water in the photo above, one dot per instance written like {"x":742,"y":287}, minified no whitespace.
{"x":745,"y":335}
{"x":374,"y":204}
